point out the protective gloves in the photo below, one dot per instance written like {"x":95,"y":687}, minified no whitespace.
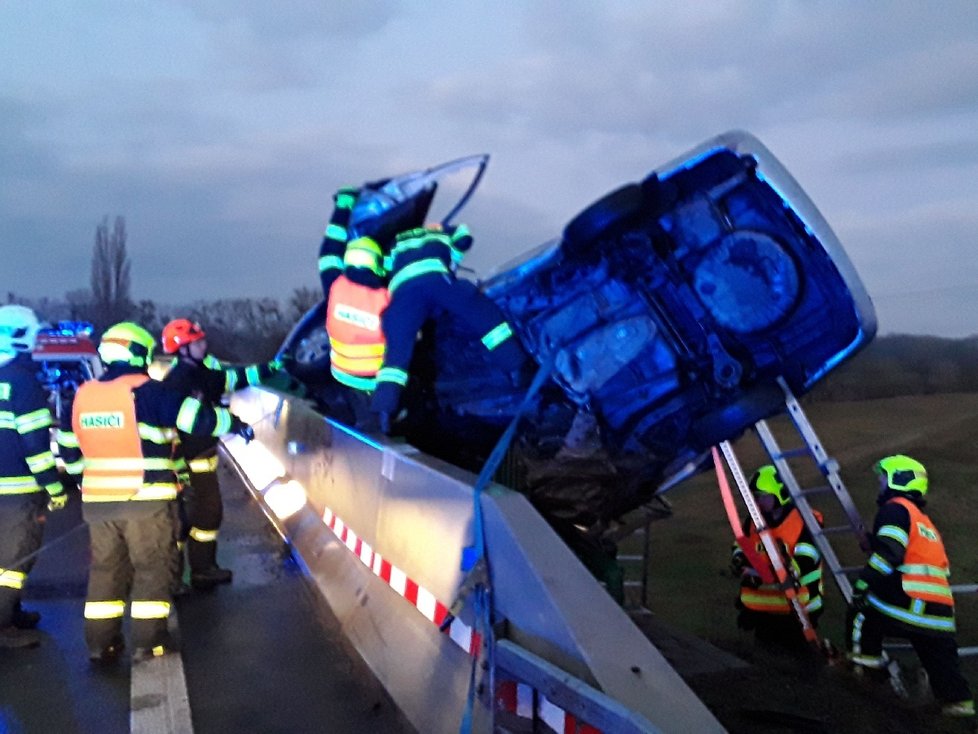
{"x":57,"y":501}
{"x":244,"y":430}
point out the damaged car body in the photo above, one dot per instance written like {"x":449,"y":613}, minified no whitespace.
{"x":664,"y":316}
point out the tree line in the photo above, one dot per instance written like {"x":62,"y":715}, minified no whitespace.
{"x":252,"y":329}
{"x":238,"y":329}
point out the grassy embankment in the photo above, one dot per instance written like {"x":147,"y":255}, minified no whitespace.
{"x":689,"y":584}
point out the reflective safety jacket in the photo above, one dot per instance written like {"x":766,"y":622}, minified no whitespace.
{"x":356,"y":338}
{"x":26,"y":461}
{"x":424,"y":251}
{"x":122,"y":433}
{"x":335,"y":237}
{"x":805,"y":561}
{"x":209,"y":381}
{"x":907,"y":574}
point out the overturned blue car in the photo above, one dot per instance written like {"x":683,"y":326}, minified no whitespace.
{"x":663,"y":316}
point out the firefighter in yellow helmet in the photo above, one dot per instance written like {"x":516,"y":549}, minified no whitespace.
{"x":762,"y":607}
{"x":903,"y":591}
{"x":120,"y":434}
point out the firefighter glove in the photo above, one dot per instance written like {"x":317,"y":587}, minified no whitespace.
{"x":245,"y":431}
{"x":57,"y":502}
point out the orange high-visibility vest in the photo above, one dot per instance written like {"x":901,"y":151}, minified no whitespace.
{"x":104,"y":420}
{"x":769,"y":598}
{"x":356,"y":339}
{"x":925,"y":569}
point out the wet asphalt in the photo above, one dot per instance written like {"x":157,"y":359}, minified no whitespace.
{"x":263,"y":654}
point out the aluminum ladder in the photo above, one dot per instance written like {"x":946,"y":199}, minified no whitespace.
{"x":813,"y":449}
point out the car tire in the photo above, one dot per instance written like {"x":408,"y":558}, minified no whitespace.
{"x":599,"y":218}
{"x":308,"y":344}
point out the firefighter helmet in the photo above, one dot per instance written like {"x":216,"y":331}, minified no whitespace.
{"x":127,"y":342}
{"x":18,"y":329}
{"x":766,"y":480}
{"x":180,"y":332}
{"x":902,"y":474}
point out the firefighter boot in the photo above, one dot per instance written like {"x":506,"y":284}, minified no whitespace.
{"x":208,"y":578}
{"x":12,"y":637}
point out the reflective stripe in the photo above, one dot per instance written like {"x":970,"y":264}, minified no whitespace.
{"x":360,"y":366}
{"x":18,"y":485}
{"x":105,"y":609}
{"x":66,"y":438}
{"x":40,"y":418}
{"x":913,"y":616}
{"x":7,"y":420}
{"x":497,"y":336}
{"x":252,"y":375}
{"x":187,"y":415}
{"x":75,"y":467}
{"x":415,"y":270}
{"x":150,"y":609}
{"x":223,"y":421}
{"x":203,"y":536}
{"x":130,"y":465}
{"x":894,"y":532}
{"x":933,"y":589}
{"x":156,"y":435}
{"x":40,"y":462}
{"x":366,"y":384}
{"x":877,"y":562}
{"x":330,"y":262}
{"x":358,"y":350}
{"x":150,"y":492}
{"x":12,"y":579}
{"x":201,"y":466}
{"x":922,"y":569}
{"x":392,"y":374}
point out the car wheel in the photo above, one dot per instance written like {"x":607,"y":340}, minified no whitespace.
{"x":595,"y":221}
{"x":309,"y":346}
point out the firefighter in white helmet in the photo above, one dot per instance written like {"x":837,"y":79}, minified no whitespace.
{"x":28,"y":477}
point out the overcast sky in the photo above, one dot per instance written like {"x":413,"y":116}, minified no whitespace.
{"x":219,"y":129}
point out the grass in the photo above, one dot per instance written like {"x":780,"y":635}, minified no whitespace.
{"x":689,"y":585}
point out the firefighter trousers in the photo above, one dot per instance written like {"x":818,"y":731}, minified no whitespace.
{"x":132,"y":551}
{"x":938,"y":652}
{"x":418,"y":300}
{"x":202,"y":501}
{"x":20,"y":536}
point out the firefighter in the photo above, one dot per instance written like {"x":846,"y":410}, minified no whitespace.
{"x":763,"y":607}
{"x":197,"y":373}
{"x":357,"y":299}
{"x":422,"y":269}
{"x":120,"y":433}
{"x":333,"y":246}
{"x":903,"y":590}
{"x":28,"y":477}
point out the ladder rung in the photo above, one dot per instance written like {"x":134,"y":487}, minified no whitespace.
{"x":836,"y":529}
{"x":793,"y":453}
{"x":850,"y":570}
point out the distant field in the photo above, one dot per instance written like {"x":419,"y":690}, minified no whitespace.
{"x":689,"y":584}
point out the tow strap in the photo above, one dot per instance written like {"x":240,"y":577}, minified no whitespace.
{"x":786,"y":581}
{"x":475,"y":562}
{"x":755,"y":559}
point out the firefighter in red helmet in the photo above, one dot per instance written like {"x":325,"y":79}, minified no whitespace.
{"x":198,"y":374}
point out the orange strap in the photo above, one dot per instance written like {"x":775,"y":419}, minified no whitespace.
{"x":755,"y":559}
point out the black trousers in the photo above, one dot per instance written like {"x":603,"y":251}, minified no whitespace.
{"x":938,"y":653}
{"x":418,"y":300}
{"x":132,"y":552}
{"x":20,"y":535}
{"x":205,"y":511}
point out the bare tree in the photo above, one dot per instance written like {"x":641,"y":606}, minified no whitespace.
{"x":110,"y":273}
